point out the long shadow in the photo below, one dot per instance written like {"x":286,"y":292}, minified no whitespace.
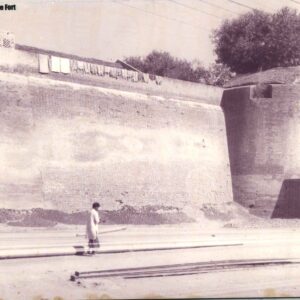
{"x":79,"y":250}
{"x":234,"y":104}
{"x":288,"y":202}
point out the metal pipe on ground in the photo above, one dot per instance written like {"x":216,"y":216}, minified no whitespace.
{"x":202,"y":263}
{"x":81,"y":250}
{"x":113,"y":244}
{"x":181,"y":269}
{"x":103,"y":232}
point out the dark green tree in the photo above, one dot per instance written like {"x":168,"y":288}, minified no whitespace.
{"x":259,"y":41}
{"x":159,"y":63}
{"x":137,"y":62}
{"x":164,"y":64}
{"x":218,"y":74}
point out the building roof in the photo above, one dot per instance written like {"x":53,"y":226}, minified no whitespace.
{"x":70,"y":56}
{"x":127,"y":66}
{"x":280,"y":75}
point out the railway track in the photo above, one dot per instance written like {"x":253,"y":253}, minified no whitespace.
{"x":180,"y":269}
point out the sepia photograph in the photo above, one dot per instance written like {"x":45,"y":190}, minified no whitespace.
{"x":149,"y":149}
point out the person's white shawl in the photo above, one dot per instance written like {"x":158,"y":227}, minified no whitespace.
{"x":92,"y":224}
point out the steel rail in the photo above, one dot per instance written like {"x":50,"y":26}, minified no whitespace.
{"x":77,"y":273}
{"x":81,"y":250}
{"x":180,"y":269}
{"x":124,"y":243}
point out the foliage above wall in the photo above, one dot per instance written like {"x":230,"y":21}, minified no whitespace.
{"x":258,"y":41}
{"x":164,"y":64}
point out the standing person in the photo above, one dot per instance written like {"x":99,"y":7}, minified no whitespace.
{"x":92,"y":228}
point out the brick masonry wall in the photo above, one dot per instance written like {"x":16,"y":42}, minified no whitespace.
{"x":263,"y":137}
{"x":282,"y":75}
{"x":24,"y":62}
{"x":64,"y":145}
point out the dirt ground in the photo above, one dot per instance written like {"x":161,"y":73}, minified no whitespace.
{"x":49,"y":277}
{"x":39,"y":217}
{"x":228,"y":215}
{"x":52,"y":282}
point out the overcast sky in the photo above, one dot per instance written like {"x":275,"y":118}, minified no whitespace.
{"x":112,"y":29}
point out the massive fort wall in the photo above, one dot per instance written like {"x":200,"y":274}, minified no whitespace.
{"x":262,"y":123}
{"x":68,"y":140}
